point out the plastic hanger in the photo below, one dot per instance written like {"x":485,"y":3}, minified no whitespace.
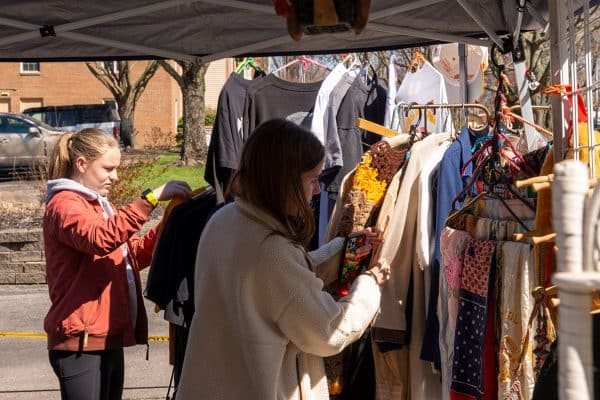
{"x":305,"y":61}
{"x":248,"y":62}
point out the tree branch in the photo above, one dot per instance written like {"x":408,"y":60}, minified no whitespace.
{"x":142,"y":82}
{"x":171,"y":71}
{"x":103,"y":78}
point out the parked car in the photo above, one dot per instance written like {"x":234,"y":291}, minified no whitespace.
{"x":25,"y":142}
{"x":79,"y":116}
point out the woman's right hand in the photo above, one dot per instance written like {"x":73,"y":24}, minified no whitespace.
{"x":380,"y":272}
{"x":173,"y":189}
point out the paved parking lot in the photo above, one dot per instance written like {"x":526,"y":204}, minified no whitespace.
{"x":25,"y":373}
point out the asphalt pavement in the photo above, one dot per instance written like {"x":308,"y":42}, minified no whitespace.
{"x":25,"y":372}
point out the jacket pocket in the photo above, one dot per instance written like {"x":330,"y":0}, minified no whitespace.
{"x":86,"y":317}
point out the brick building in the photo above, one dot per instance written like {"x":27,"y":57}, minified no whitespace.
{"x":27,"y":84}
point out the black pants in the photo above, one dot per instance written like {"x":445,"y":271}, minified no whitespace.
{"x":94,"y":375}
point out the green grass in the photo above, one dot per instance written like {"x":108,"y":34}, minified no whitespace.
{"x":166,"y":168}
{"x":136,"y":176}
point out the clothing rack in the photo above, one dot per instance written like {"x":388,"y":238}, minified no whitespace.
{"x":451,"y":106}
{"x":387,"y":132}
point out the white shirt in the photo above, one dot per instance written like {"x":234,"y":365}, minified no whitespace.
{"x":318,"y":120}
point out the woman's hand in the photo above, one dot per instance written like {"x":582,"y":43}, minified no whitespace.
{"x":373,"y":239}
{"x":173,"y":189}
{"x":380,"y":272}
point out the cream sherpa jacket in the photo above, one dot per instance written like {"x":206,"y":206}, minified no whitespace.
{"x":262,"y":320}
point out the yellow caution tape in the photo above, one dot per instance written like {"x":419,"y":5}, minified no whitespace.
{"x":31,"y":335}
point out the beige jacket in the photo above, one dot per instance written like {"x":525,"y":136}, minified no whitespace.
{"x":262,"y":320}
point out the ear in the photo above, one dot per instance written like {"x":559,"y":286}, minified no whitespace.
{"x":80,"y":164}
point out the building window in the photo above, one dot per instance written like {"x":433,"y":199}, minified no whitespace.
{"x":30,"y":68}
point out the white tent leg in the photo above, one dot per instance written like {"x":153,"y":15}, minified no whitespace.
{"x":569,"y":193}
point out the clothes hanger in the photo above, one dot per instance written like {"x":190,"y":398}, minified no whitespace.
{"x":305,"y":61}
{"x":417,"y":61}
{"x":248,"y":62}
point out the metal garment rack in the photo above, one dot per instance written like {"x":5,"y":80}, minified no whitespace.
{"x":451,"y":106}
{"x":384,"y":131}
{"x":575,"y":216}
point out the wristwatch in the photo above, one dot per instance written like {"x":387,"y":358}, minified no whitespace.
{"x":149,"y":196}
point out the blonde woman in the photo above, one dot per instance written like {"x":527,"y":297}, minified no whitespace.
{"x":93,"y":259}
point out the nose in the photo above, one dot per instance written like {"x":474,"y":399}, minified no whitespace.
{"x":316,"y":188}
{"x":114,"y":177}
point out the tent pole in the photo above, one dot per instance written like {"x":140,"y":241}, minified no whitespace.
{"x":245,"y":49}
{"x":464,"y":85}
{"x":559,"y":72}
{"x":130,"y":47}
{"x":403,"y":8}
{"x":428,"y":35}
{"x":477,"y":18}
{"x":531,"y":134}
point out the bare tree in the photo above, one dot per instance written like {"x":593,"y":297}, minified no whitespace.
{"x":191,"y":81}
{"x":116,"y":76}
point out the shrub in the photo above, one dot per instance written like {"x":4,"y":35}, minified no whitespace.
{"x":210,"y":115}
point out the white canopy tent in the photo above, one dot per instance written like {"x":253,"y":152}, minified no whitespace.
{"x":213,"y":29}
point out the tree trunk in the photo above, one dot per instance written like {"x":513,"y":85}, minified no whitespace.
{"x":127,"y":114}
{"x":194,"y":149}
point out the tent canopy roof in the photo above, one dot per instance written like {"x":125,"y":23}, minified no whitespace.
{"x":211,"y":29}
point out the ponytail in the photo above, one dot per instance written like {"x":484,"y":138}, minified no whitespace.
{"x":90,"y":143}
{"x":59,"y":165}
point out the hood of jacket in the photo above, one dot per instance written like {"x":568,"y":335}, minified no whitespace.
{"x":54,"y":186}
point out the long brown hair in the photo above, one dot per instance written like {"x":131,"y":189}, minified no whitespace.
{"x":270,"y":172}
{"x":90,"y":143}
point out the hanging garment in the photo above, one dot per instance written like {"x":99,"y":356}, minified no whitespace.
{"x":516,"y":305}
{"x":448,"y":183}
{"x":333,"y":151}
{"x":170,"y":283}
{"x":425,"y":218}
{"x":393,"y":325}
{"x":226,"y":139}
{"x":364,"y":189}
{"x":426,"y":85}
{"x":452,"y":247}
{"x":362,"y":100}
{"x":272,"y":97}
{"x":399,"y":243}
{"x":319,"y":122}
{"x":476,"y":291}
{"x":390,"y":105}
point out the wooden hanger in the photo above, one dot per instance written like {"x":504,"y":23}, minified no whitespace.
{"x":376,"y":128}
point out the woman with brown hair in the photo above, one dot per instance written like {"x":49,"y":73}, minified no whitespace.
{"x":262,"y":320}
{"x":93,"y":259}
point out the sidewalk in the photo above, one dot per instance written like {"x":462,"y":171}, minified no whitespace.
{"x":25,"y":373}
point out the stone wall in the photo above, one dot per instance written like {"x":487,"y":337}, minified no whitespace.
{"x":22,"y":256}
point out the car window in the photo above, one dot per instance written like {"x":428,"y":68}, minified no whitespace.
{"x":48,"y":117}
{"x":37,"y":122}
{"x":13,"y":125}
{"x":66,"y":118}
{"x":94,"y":115}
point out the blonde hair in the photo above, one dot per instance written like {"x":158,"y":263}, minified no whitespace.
{"x":90,"y":143}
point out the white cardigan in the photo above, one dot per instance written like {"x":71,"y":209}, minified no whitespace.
{"x":262,"y":320}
